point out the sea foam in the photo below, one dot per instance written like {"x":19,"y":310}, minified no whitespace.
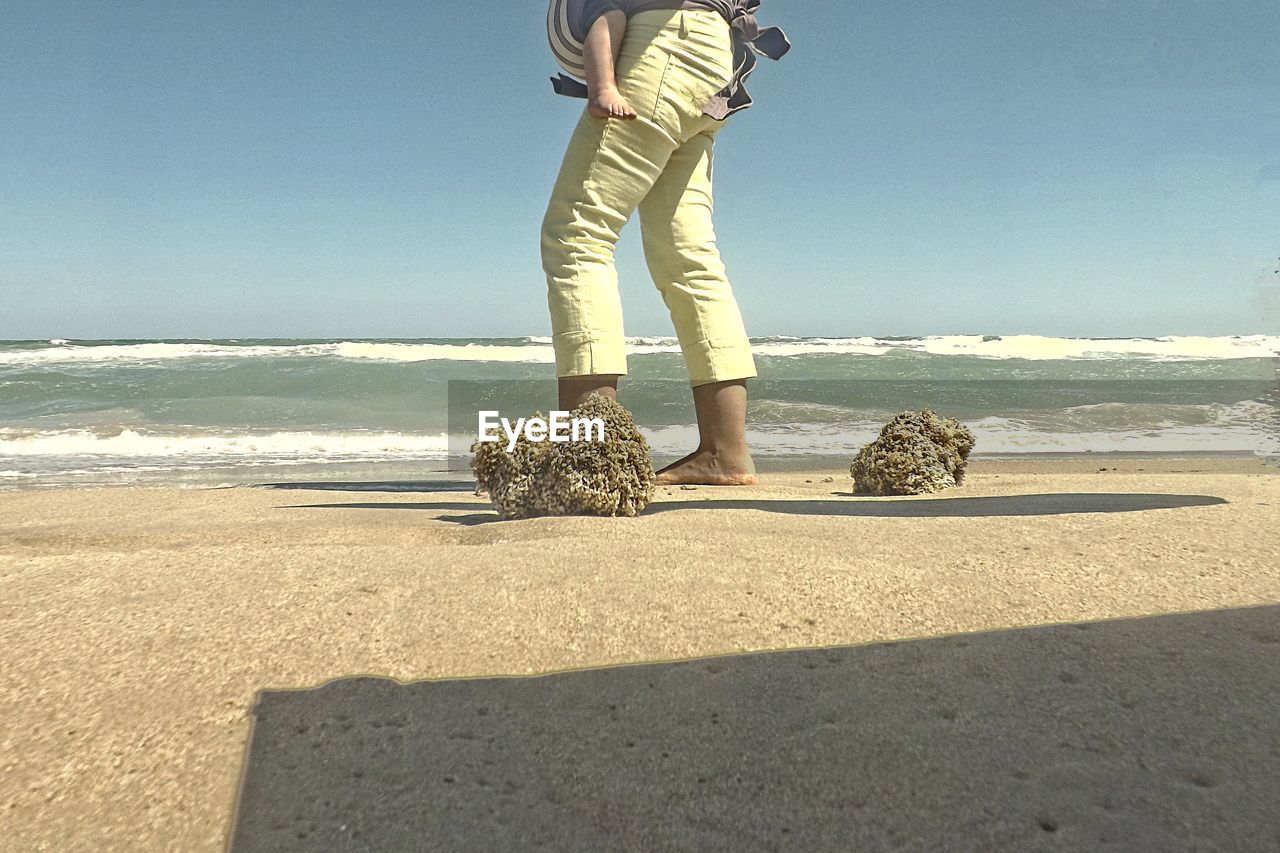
{"x":539,"y":349}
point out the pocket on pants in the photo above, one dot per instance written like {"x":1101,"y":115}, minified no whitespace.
{"x":692,"y":74}
{"x":671,"y":65}
{"x":681,"y":99}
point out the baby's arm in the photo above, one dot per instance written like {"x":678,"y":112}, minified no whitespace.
{"x":600,"y":55}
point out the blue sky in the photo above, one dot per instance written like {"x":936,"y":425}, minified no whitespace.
{"x":315,"y":169}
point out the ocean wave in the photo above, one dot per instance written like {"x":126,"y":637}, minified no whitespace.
{"x":355,"y":350}
{"x":539,"y":349}
{"x":48,"y":458}
{"x":1244,"y":415}
{"x":1040,"y":347}
{"x":991,"y":435}
{"x":133,"y":443}
{"x":68,"y":352}
{"x":538,"y":354}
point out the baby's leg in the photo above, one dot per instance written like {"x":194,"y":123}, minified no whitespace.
{"x":600,"y":55}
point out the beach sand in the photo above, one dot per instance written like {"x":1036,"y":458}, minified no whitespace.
{"x":139,"y":623}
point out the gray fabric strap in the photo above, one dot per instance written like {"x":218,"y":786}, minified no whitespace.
{"x":748,"y":40}
{"x":566,"y":85}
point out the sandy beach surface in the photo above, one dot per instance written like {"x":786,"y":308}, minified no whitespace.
{"x":138,"y":624}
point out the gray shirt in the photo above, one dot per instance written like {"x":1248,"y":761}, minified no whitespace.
{"x":748,"y":40}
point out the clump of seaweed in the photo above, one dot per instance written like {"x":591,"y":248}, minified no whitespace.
{"x":584,"y":477}
{"x":916,"y":452}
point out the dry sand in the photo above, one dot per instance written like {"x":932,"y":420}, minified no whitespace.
{"x":138,"y":624}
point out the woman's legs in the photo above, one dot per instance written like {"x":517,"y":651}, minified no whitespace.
{"x":575,"y":389}
{"x":607,"y":169}
{"x":681,"y":252}
{"x":722,"y":458}
{"x":660,"y":162}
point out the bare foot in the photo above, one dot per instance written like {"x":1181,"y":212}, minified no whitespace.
{"x":609,"y":103}
{"x":704,"y":468}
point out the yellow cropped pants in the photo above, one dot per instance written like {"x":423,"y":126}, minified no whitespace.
{"x":671,"y":61}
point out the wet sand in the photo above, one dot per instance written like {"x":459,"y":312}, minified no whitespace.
{"x":139,"y":624}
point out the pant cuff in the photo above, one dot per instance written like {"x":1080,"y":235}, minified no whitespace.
{"x":579,"y":354}
{"x":711,"y":361}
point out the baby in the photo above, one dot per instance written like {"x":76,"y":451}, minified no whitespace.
{"x":600,"y":54}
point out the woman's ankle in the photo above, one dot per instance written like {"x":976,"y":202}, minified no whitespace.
{"x":733,"y":456}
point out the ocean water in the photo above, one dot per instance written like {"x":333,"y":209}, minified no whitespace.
{"x":202,"y":412}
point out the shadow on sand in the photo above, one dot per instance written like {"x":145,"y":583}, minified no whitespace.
{"x":377,"y":485}
{"x":1055,"y":503}
{"x":1158,"y":733}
